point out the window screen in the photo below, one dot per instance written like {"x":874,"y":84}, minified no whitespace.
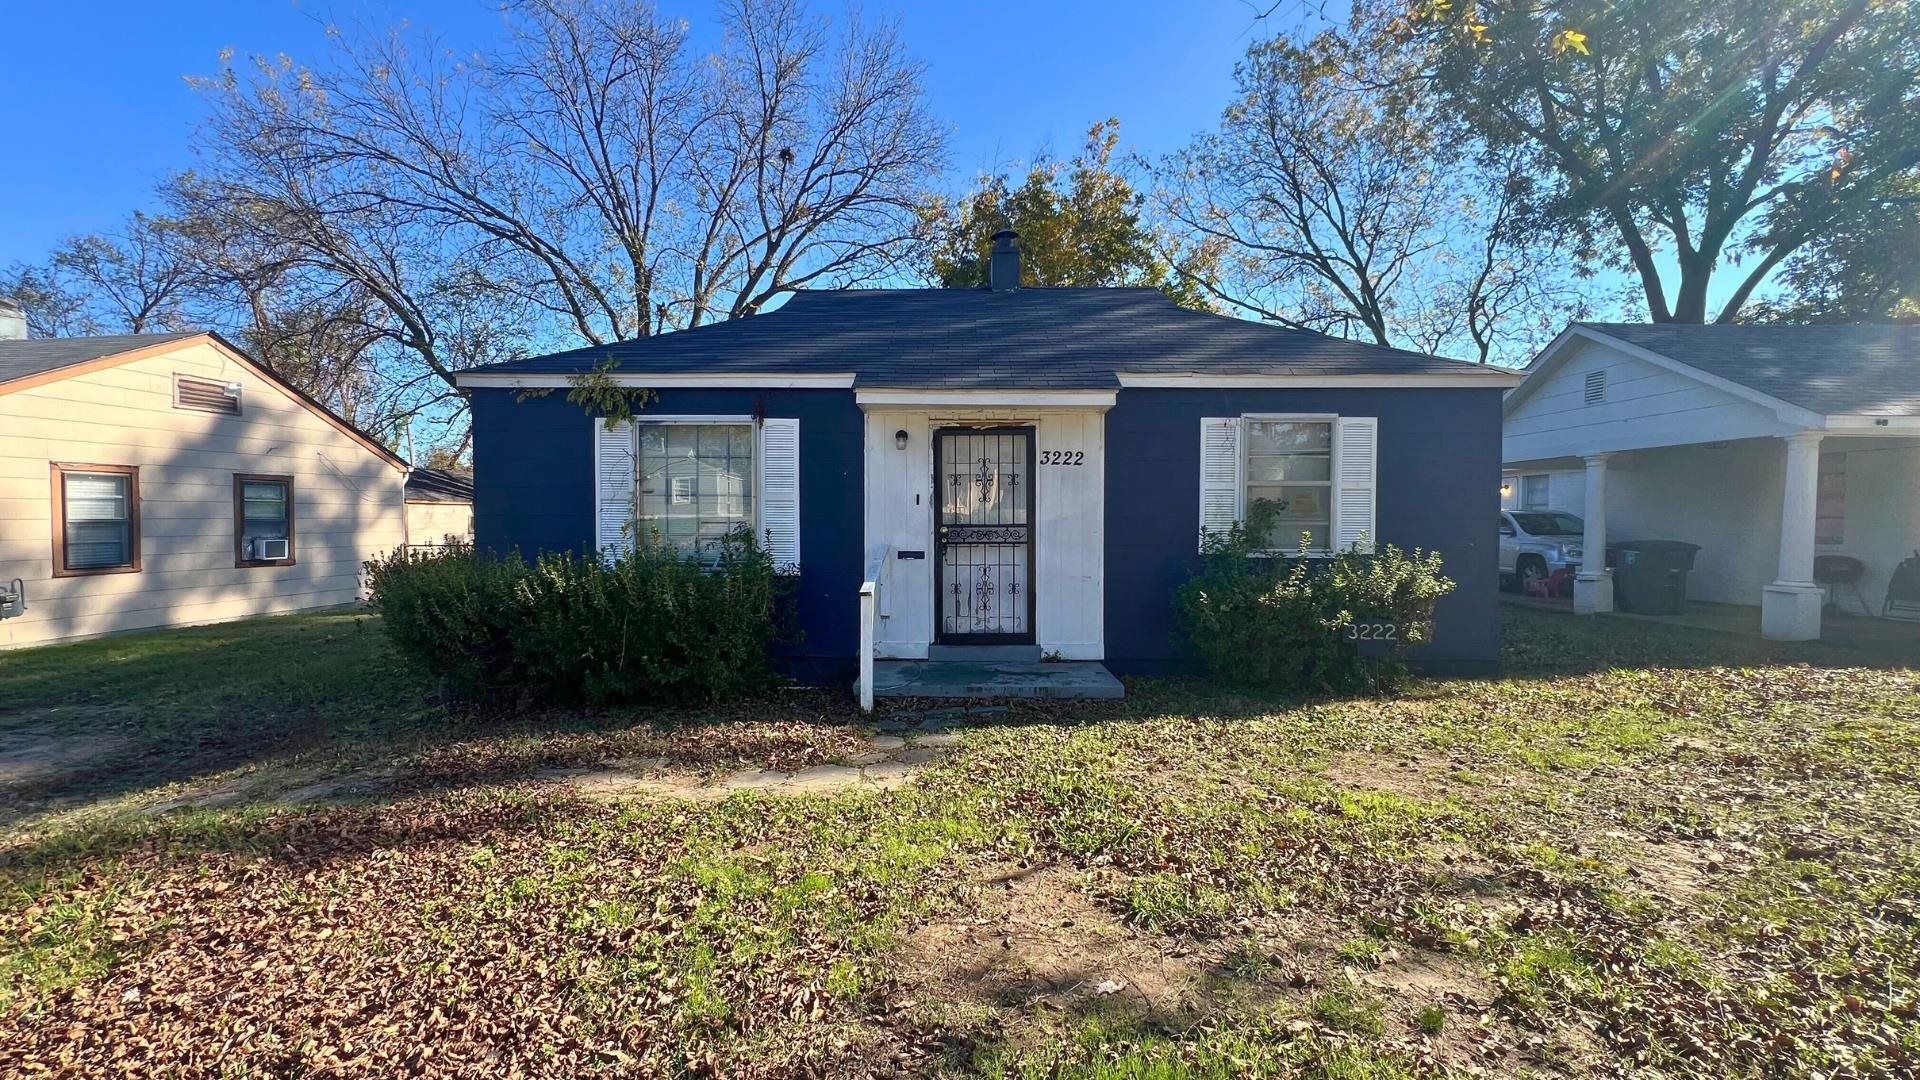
{"x":1289,"y":464}
{"x":695,"y":482}
{"x":98,"y":520}
{"x":1535,"y":491}
{"x":263,"y":512}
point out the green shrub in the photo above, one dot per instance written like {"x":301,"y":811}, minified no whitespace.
{"x":653,"y":626}
{"x":1280,"y":622}
{"x":451,"y":610}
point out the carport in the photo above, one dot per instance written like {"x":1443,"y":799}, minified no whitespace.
{"x":1765,"y":445}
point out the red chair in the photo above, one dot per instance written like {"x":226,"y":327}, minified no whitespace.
{"x":1558,"y":583}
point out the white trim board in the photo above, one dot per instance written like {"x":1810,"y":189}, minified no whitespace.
{"x":657,"y":381}
{"x":1036,"y":399}
{"x":1490,"y":377}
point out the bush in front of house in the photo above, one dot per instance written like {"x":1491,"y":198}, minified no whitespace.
{"x":654,"y":625}
{"x":451,"y":610}
{"x":1280,"y":623}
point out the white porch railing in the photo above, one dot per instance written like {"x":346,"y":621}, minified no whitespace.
{"x":875,"y":605}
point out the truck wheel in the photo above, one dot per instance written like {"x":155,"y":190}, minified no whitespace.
{"x":1529,"y":568}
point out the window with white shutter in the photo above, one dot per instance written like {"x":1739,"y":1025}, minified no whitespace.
{"x":1356,"y":463}
{"x":612,"y":486}
{"x":1219,"y":475}
{"x":1317,"y":472}
{"x":780,"y":492}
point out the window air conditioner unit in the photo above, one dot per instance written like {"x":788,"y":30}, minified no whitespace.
{"x":264,"y":550}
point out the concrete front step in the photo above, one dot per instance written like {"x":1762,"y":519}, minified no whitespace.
{"x":985,"y":654}
{"x":976,"y":680}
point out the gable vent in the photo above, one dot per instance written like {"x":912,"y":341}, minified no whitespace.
{"x":205,"y":395}
{"x":1596,"y":387}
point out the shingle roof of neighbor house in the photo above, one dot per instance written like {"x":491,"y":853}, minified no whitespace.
{"x":1030,"y":338}
{"x":19,"y":359}
{"x":1831,"y":369}
{"x":440,"y":486}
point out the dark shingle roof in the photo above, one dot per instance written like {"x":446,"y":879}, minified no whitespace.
{"x":19,"y":359}
{"x":440,"y":486}
{"x":981,"y":339}
{"x":1863,"y":369}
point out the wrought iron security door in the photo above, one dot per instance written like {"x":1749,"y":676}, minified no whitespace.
{"x":983,"y":479}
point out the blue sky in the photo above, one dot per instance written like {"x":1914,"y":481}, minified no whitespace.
{"x":95,"y":107}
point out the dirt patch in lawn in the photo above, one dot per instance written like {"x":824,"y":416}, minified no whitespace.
{"x":1032,"y":942}
{"x":1427,"y":779}
{"x":56,"y":750}
{"x":1676,"y":870}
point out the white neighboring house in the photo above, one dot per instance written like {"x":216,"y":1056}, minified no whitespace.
{"x":168,"y":479}
{"x":439,"y":507}
{"x":1765,"y":445}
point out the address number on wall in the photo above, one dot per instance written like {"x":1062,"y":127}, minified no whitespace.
{"x":1063,"y":457}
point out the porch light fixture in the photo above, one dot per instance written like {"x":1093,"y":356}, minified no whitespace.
{"x":900,"y":439}
{"x":1506,"y":488}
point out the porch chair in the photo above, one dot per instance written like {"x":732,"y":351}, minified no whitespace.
{"x":1903,"y":590}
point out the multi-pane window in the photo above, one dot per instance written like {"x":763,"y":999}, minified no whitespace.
{"x":263,"y":520}
{"x":694,"y":482}
{"x":98,"y":519}
{"x":1535,"y":491}
{"x":1289,"y":464}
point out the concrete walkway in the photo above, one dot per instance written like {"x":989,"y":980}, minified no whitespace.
{"x":985,"y":680}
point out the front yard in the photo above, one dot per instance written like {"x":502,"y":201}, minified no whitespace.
{"x":261,"y":849}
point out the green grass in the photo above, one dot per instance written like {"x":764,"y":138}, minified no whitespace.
{"x":1666,"y":850}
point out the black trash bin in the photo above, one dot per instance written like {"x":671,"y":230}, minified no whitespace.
{"x":1650,"y":576}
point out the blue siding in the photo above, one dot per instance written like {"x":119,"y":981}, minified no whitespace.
{"x":1439,"y":485}
{"x":533,"y":490}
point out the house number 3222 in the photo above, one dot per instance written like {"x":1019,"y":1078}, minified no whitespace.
{"x":1063,"y":457}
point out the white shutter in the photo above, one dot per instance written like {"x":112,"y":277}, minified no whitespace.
{"x":612,"y":487}
{"x":1219,"y":474}
{"x":780,"y":492}
{"x":1356,"y":468}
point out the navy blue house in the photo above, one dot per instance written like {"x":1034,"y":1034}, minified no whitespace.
{"x":1003,"y":466}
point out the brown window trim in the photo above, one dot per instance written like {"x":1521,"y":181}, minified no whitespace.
{"x":56,"y":472}
{"x":240,"y":520}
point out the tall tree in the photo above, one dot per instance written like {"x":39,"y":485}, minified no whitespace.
{"x":1341,"y":202}
{"x":1866,"y":269}
{"x":1081,"y":223}
{"x":135,"y":280}
{"x":590,"y":179}
{"x":1686,"y":141}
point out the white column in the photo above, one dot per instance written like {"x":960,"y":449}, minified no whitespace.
{"x":1790,"y":607}
{"x":1593,"y":585}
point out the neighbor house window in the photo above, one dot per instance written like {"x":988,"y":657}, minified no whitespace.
{"x":1289,"y":464}
{"x":1830,"y":501}
{"x":1534,"y":491}
{"x":694,"y":481}
{"x":96,"y":519}
{"x":262,"y":520}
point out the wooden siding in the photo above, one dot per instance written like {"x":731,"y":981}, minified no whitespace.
{"x":430,"y":523}
{"x":1069,"y":523}
{"x":349,"y":502}
{"x":1645,"y":406}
